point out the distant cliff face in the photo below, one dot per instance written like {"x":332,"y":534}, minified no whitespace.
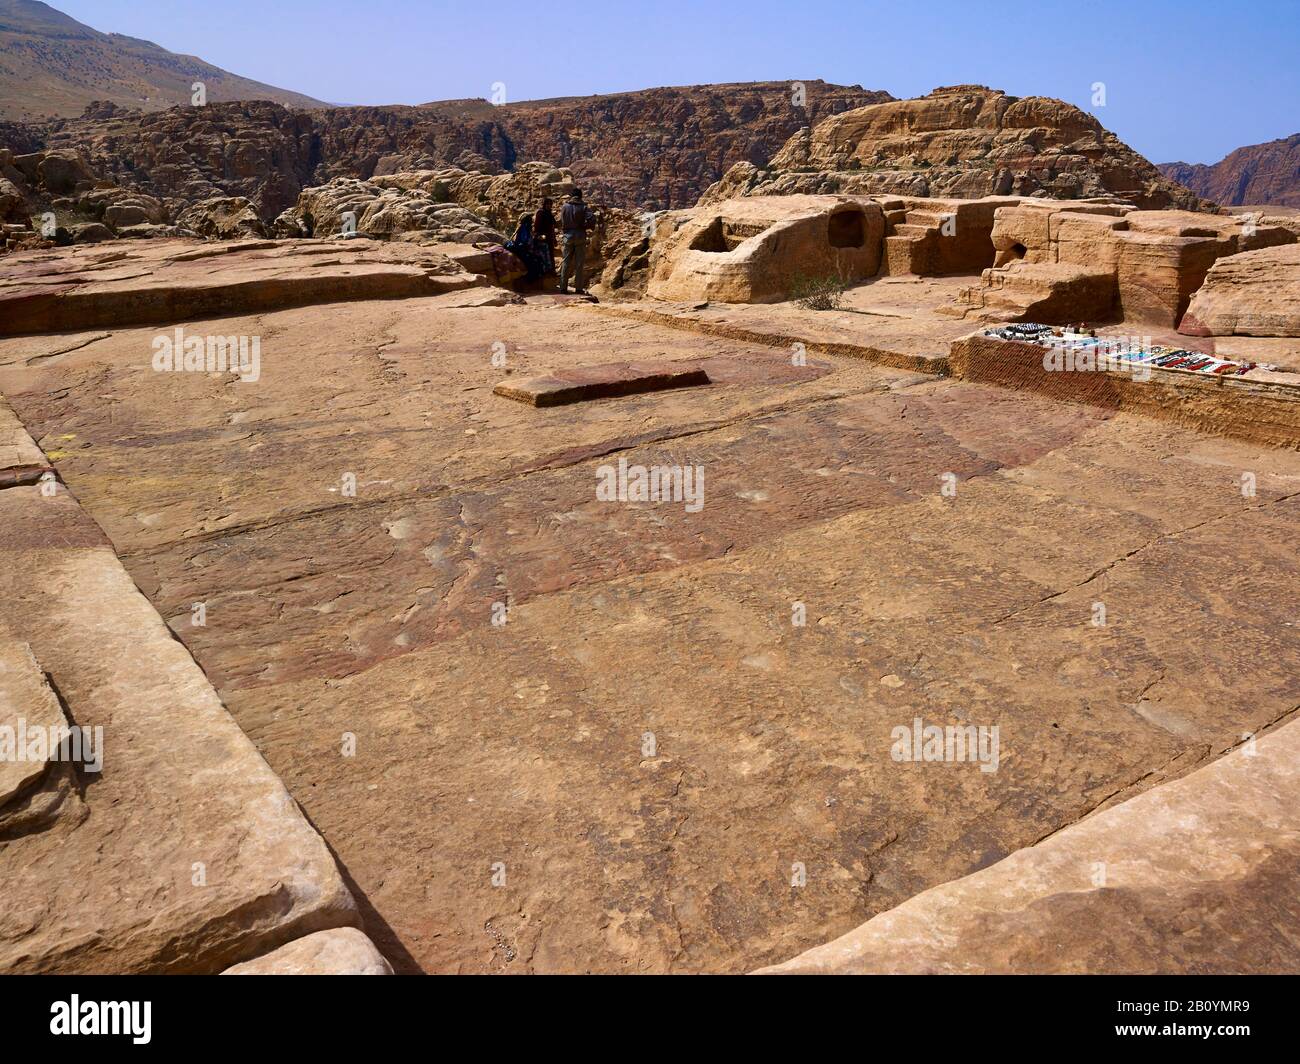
{"x":1257,"y":174}
{"x":261,"y":151}
{"x":657,"y":148}
{"x":661,"y":148}
{"x":966,"y":141}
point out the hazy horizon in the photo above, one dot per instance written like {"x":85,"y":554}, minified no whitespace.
{"x":1138,"y":52}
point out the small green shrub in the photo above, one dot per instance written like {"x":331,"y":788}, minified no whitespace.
{"x":819,"y":293}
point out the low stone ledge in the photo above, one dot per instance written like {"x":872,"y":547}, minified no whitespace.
{"x":936,"y":364}
{"x":1264,"y":412}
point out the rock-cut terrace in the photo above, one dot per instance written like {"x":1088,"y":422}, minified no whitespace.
{"x":386,"y":681}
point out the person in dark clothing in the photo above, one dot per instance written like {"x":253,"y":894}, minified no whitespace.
{"x":524,"y":248}
{"x":576,"y":221}
{"x":544,"y":235}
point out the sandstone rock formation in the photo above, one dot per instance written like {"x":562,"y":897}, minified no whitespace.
{"x":498,"y":198}
{"x":759,"y":249}
{"x":965,"y":141}
{"x":657,"y":148}
{"x":162,"y":842}
{"x":346,"y":205}
{"x":168,"y":280}
{"x":223,"y":218}
{"x":1256,"y":293}
{"x":1258,"y":174}
{"x":454,"y":206}
{"x":661,"y":148}
{"x":83,"y":207}
{"x":1155,"y":261}
{"x":227,"y":493}
{"x":258,"y":150}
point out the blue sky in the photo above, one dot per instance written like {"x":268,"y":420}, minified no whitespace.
{"x":1185,"y":79}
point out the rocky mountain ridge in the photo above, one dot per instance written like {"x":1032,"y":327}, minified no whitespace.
{"x":1258,"y":174}
{"x":965,"y":141}
{"x":657,"y":148}
{"x":51,"y":64}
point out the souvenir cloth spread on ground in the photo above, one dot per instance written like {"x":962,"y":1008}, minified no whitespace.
{"x":1119,"y":349}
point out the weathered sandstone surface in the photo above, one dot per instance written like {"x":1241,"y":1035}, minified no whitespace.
{"x":967,"y":141}
{"x":770,"y":742}
{"x":342,"y":951}
{"x":1256,"y":293}
{"x":1187,"y":878}
{"x":1101,"y":263}
{"x":165,"y":281}
{"x":175,"y":849}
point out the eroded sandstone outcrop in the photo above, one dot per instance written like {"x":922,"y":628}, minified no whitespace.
{"x":55,"y":197}
{"x":1053,"y":260}
{"x":965,"y":141}
{"x":760,"y":249}
{"x":345,"y":205}
{"x":1256,"y":293}
{"x":657,"y":147}
{"x":223,"y":218}
{"x":163,"y":281}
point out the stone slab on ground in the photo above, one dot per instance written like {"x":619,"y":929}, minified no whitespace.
{"x":342,"y":951}
{"x":610,"y":380}
{"x":1196,"y":876}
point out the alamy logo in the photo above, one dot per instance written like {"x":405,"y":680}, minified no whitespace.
{"x":659,"y":483}
{"x":1120,"y":353}
{"x":56,"y":742}
{"x":953,"y":743}
{"x":103,"y":1017}
{"x":208,"y":354}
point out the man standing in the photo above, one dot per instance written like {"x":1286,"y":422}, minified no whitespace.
{"x":544,"y":234}
{"x":576,"y":221}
